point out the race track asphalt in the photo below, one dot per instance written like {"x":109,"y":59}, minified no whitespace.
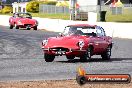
{"x":21,"y":58}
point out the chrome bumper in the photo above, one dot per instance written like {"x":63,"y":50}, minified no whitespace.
{"x":70,"y":50}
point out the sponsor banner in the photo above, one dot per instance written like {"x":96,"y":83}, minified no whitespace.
{"x":83,"y":78}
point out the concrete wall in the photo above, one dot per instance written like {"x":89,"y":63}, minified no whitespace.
{"x":121,"y":30}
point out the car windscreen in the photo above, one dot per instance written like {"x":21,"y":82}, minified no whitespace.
{"x":72,"y":30}
{"x":24,"y":15}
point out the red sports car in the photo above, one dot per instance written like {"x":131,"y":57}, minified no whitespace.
{"x":23,"y":20}
{"x":80,"y":40}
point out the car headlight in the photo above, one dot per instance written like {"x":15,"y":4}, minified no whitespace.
{"x":81,"y":43}
{"x":44,"y":42}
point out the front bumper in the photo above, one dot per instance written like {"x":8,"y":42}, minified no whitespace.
{"x":26,"y":25}
{"x":75,"y":52}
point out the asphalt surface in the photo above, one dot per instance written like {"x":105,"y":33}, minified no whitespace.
{"x":21,"y":58}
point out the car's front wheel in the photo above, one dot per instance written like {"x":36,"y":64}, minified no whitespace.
{"x":48,"y":57}
{"x":35,"y":28}
{"x":11,"y":26}
{"x":87,"y":55}
{"x":16,"y":26}
{"x":106,"y":55}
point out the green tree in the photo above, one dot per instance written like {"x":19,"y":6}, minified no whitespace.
{"x":7,"y":9}
{"x":33,"y":6}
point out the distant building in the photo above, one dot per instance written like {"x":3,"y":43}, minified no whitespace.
{"x":19,"y":7}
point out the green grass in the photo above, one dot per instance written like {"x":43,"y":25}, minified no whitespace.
{"x":52,"y":16}
{"x":126,"y":16}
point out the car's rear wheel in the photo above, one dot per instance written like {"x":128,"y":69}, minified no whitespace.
{"x":48,"y":57}
{"x":35,"y":28}
{"x":11,"y":26}
{"x":87,"y":55}
{"x":106,"y":55}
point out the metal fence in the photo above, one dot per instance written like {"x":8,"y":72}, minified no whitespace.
{"x":82,"y":12}
{"x":53,"y":9}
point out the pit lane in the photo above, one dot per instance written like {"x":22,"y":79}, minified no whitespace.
{"x":21,"y":58}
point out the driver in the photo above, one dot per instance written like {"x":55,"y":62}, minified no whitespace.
{"x":17,"y":15}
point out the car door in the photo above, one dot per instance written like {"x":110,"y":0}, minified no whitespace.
{"x":101,"y":40}
{"x":105,"y":38}
{"x":95,"y":40}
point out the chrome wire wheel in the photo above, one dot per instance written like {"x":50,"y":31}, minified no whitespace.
{"x":89,"y":53}
{"x":108,"y":51}
{"x":107,"y":54}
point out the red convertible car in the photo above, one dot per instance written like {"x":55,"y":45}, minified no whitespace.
{"x":80,"y":40}
{"x":23,"y":20}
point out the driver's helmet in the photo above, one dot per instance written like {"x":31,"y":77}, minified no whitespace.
{"x":17,"y":15}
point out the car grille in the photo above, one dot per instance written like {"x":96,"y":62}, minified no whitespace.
{"x":60,"y":49}
{"x":27,"y":24}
